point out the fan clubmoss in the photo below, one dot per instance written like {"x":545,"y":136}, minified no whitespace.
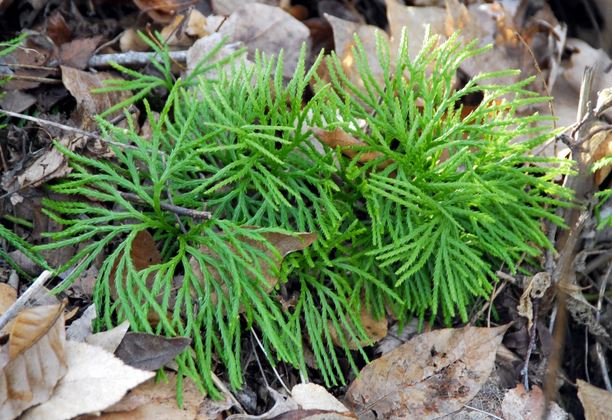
{"x":417,"y":230}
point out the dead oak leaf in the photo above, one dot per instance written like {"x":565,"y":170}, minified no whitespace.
{"x":432,"y":375}
{"x":597,"y":403}
{"x":94,"y":381}
{"x":81,"y":85}
{"x":268,"y":29}
{"x":77,"y":52}
{"x":33,"y":360}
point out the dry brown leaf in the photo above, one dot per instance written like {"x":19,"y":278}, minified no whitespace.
{"x":344,"y":41}
{"x":521,"y":405}
{"x":414,"y":19}
{"x":148,"y":351}
{"x":143,"y":253}
{"x":204,"y":46}
{"x":349,"y":145}
{"x":432,"y":375}
{"x":157,"y":400}
{"x":33,"y":57}
{"x":284,"y":244}
{"x":131,"y":41}
{"x":33,"y":361}
{"x":596,"y":402}
{"x":536,"y":288}
{"x":94,"y":381}
{"x":77,"y":53}
{"x":603,"y":149}
{"x":314,"y":397}
{"x":8,"y":295}
{"x":80,"y":85}
{"x":375,"y":329}
{"x":227,"y":7}
{"x":314,"y":414}
{"x":29,"y":326}
{"x":268,"y":29}
{"x":16,"y":101}
{"x":182,"y":31}
{"x":49,"y":165}
{"x":163,"y":11}
{"x":57,"y":28}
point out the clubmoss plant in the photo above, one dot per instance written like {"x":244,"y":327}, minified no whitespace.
{"x":457,"y":194}
{"x":415,"y":234}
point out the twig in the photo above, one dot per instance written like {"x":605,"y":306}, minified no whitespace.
{"x":576,"y":218}
{"x":271,"y":365}
{"x":133,"y":58}
{"x":64,"y":127}
{"x":31,"y":67}
{"x":601,"y":358}
{"x":263,"y":374}
{"x":18,"y":305}
{"x":506,"y":278}
{"x":219,"y":383}
{"x":532,"y":343}
{"x":539,"y":70}
{"x":37,"y":79}
{"x":182,"y":211}
{"x":600,"y":261}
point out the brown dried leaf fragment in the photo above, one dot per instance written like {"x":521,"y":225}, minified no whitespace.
{"x":33,"y":360}
{"x":597,"y":403}
{"x":432,"y":375}
{"x":284,"y":244}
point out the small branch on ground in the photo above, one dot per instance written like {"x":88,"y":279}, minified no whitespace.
{"x":181,"y":211}
{"x":20,"y":303}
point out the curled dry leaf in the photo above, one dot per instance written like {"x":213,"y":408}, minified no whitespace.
{"x":432,"y":375}
{"x":596,"y":402}
{"x":47,"y":166}
{"x":131,"y":41}
{"x":602,"y":149}
{"x":536,"y":288}
{"x":183,"y":30}
{"x":94,"y":381}
{"x":162,"y":11}
{"x":33,"y":360}
{"x":80,"y":84}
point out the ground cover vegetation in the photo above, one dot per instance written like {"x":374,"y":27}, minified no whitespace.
{"x":412,"y":219}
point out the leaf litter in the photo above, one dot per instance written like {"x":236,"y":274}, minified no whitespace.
{"x":436,"y":372}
